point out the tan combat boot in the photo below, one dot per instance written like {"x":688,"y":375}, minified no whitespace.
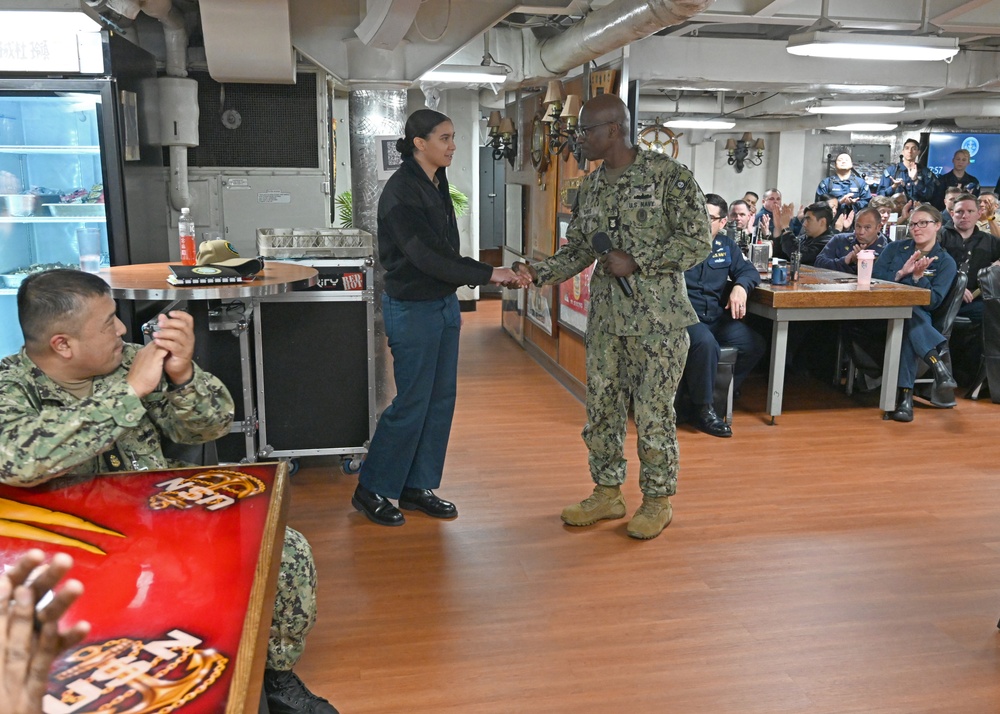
{"x":651,"y":517}
{"x":604,"y":502}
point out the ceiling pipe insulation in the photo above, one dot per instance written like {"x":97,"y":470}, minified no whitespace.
{"x":612,"y":27}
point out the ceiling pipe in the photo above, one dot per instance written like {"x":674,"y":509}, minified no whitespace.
{"x":174,"y":30}
{"x":613,"y":27}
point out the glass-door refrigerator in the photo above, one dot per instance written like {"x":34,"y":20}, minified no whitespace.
{"x":71,"y":159}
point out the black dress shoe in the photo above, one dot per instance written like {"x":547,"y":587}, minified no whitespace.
{"x":710,"y":423}
{"x":378,"y":508}
{"x":904,"y":407}
{"x":942,"y":377}
{"x":423,"y":499}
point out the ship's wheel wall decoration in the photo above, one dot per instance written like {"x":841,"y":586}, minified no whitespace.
{"x":660,"y":139}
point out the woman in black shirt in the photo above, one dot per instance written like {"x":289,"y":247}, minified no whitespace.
{"x":418,"y":245}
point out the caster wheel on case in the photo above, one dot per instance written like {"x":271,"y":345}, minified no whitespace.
{"x":293,"y":467}
{"x":351,"y":466}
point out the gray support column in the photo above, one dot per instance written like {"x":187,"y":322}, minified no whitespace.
{"x":374,"y":113}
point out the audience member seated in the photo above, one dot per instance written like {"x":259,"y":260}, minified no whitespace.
{"x":817,"y":225}
{"x":751,"y":198}
{"x":742,"y":214}
{"x":768,"y":223}
{"x":77,"y":401}
{"x":980,"y":251}
{"x":975,"y":250}
{"x":885,"y":207}
{"x":988,"y":221}
{"x":845,"y":185}
{"x":718,"y":288}
{"x":920,"y":261}
{"x":957,"y":178}
{"x":740,"y":224}
{"x":917,"y":183}
{"x":843,"y":222}
{"x":950,"y":194}
{"x":841,"y":253}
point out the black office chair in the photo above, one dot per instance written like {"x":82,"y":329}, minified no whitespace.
{"x":989,"y":363}
{"x":943,"y":320}
{"x":724,"y":388}
{"x":863,"y":355}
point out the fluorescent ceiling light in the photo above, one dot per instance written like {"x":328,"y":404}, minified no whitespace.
{"x":847,"y":46}
{"x":21,"y":22}
{"x":700,"y":124}
{"x":466,"y":74}
{"x":864,"y":126}
{"x":837,"y":107}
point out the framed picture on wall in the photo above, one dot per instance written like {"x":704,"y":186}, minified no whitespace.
{"x":514,"y":219}
{"x":512,"y":303}
{"x":539,"y":304}
{"x":574,"y":294}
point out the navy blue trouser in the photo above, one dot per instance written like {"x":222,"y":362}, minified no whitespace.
{"x":919,"y":338}
{"x":411,"y":437}
{"x":703,"y":355}
{"x":972,"y":310}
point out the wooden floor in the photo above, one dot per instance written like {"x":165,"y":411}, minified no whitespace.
{"x":832,"y":564}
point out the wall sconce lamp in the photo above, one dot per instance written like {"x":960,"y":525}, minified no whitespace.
{"x":739,"y":151}
{"x":503,"y":137}
{"x":562,"y":116}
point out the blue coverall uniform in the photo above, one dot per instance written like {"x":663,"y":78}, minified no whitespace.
{"x":708,"y":286}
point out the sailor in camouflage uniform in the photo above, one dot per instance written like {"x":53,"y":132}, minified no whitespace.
{"x":77,"y":401}
{"x":654,"y":213}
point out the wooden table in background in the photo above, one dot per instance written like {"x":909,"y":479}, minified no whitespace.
{"x":179,"y":569}
{"x":830,"y":295}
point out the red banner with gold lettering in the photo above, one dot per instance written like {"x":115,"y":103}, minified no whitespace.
{"x":167,"y":560}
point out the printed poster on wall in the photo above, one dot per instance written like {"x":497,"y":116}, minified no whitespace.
{"x":574,"y":294}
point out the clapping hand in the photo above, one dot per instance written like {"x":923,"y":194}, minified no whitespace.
{"x":915,"y":265}
{"x":30,"y":638}
{"x":765,"y":224}
{"x":784,"y":218}
{"x":852,"y":254}
{"x":920,"y":265}
{"x":845,"y":220}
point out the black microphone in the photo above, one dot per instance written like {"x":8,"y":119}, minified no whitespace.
{"x":602,"y":245}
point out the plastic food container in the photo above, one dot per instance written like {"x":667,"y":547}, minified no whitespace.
{"x":19,"y":204}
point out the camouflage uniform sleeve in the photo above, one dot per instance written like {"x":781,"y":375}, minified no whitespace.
{"x":200,"y":411}
{"x":687,"y":240}
{"x":571,"y":258}
{"x":39,"y":443}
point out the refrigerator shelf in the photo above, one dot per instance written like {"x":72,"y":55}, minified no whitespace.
{"x":50,"y":149}
{"x":53,"y":219}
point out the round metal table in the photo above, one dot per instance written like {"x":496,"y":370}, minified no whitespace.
{"x":148,"y":282}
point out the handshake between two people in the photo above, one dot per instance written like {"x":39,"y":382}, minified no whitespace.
{"x":519,"y":275}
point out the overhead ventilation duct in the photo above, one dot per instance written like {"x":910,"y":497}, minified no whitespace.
{"x":248,"y":41}
{"x":612,"y":27}
{"x":386,"y":22}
